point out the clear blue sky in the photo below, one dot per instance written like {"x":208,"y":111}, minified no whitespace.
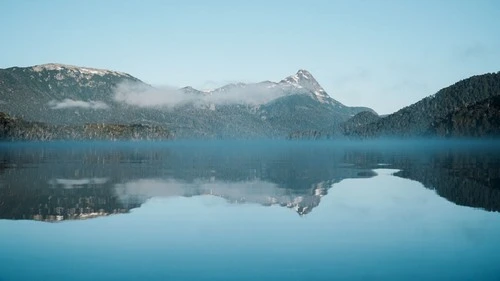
{"x":384,"y":54}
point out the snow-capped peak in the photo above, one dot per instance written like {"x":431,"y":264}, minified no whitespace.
{"x":72,"y":68}
{"x":304,"y":79}
{"x":304,"y":74}
{"x":300,"y":83}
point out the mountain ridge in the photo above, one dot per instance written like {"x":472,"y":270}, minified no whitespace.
{"x":60,"y":66}
{"x":71,"y":95}
{"x":416,"y":119}
{"x":294,"y":107}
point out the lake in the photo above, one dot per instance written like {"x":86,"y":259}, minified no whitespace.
{"x":250,"y":210}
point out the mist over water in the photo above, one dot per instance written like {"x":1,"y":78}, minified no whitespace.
{"x":255,"y":210}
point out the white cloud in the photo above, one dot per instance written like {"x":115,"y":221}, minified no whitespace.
{"x":69,"y":103}
{"x":145,"y":96}
{"x":253,"y":94}
{"x":78,"y":183}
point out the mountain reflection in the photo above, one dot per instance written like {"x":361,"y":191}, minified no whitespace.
{"x":467,"y":174}
{"x":61,"y":181}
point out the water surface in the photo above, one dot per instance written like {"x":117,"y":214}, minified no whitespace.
{"x":249,"y":211}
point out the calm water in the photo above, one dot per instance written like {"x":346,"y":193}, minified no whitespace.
{"x":250,"y":211}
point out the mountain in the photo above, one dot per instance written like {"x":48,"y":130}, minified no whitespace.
{"x":65,"y":95}
{"x":304,"y":80}
{"x":61,"y":94}
{"x":479,"y":119}
{"x":417,"y":119}
{"x":359,"y":120}
{"x":340,"y":131}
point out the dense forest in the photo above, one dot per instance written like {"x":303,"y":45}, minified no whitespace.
{"x":480,"y":119}
{"x":417,"y":119}
{"x":18,"y":129}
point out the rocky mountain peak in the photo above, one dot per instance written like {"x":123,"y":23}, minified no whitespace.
{"x":304,"y":79}
{"x":304,"y":74}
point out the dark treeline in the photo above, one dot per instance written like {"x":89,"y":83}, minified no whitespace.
{"x":13,"y":129}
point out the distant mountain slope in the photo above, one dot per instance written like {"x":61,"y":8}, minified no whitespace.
{"x":336,"y":131}
{"x":70,"y":95}
{"x":60,"y":94}
{"x":416,"y":119}
{"x":359,"y":120}
{"x":480,"y":119}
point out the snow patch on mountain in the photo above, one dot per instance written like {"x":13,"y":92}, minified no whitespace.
{"x":72,"y":68}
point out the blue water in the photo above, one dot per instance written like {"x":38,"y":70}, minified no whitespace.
{"x":247,"y":211}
